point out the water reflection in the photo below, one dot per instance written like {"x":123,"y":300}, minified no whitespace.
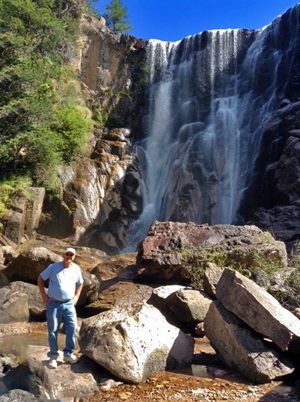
{"x":17,"y":344}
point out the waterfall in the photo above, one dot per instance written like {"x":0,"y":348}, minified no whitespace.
{"x":210,"y":97}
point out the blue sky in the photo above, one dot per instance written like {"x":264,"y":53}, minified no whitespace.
{"x":172,"y":20}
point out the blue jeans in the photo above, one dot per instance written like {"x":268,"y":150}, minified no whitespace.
{"x":56,"y":313}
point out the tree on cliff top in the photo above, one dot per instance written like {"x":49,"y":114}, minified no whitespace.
{"x":116,"y":17}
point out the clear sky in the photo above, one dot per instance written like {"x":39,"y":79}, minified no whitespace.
{"x":172,"y":20}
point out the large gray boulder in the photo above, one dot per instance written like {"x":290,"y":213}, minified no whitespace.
{"x":13,"y":306}
{"x":28,"y":265}
{"x":134,"y":342}
{"x":65,"y":381}
{"x":190,"y":306}
{"x":259,"y":310}
{"x":37,"y":309}
{"x":242,"y":349}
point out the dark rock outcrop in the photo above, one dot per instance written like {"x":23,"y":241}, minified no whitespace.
{"x":172,"y":251}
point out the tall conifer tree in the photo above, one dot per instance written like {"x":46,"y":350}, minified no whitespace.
{"x":116,"y":17}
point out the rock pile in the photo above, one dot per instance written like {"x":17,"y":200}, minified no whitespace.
{"x":134,"y":330}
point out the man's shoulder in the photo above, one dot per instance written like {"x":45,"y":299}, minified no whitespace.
{"x":56,"y":265}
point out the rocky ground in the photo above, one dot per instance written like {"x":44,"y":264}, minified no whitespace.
{"x":216,"y":385}
{"x":170,"y":386}
{"x":211,"y":380}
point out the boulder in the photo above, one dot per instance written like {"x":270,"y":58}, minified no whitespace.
{"x":26,"y":215}
{"x":134,"y":342}
{"x":28,"y":265}
{"x":159,"y":298}
{"x":114,"y":269}
{"x":120,"y":294}
{"x":189,"y":306}
{"x":242,"y":349}
{"x":36,"y":306}
{"x":17,"y":395}
{"x":7,"y":254}
{"x":90,"y":289}
{"x":259,"y":310}
{"x":65,"y":381}
{"x":211,"y":277}
{"x":13,"y":306}
{"x":13,"y":223}
{"x":86,"y":258}
{"x":176,"y":252}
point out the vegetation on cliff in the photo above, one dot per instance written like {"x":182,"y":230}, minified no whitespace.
{"x":116,"y":17}
{"x":43,"y":123}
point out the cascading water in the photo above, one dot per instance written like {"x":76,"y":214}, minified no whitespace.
{"x":211,"y":95}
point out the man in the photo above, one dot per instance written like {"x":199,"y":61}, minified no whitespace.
{"x":65,"y":285}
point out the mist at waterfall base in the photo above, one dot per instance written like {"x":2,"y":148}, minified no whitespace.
{"x":211,"y":95}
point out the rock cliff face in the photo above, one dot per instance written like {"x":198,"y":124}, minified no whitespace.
{"x":205,"y":130}
{"x":101,"y":193}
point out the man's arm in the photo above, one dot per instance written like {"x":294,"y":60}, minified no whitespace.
{"x":77,"y":294}
{"x":44,"y":296}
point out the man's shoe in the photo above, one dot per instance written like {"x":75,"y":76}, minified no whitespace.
{"x":52,"y":364}
{"x":70,"y":359}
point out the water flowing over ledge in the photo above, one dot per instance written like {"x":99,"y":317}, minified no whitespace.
{"x":211,"y":97}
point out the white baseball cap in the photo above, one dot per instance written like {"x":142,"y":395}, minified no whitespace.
{"x":70,"y":250}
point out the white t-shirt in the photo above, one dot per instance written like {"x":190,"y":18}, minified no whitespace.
{"x":62,"y":281}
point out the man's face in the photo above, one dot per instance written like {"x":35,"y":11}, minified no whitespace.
{"x":68,"y":258}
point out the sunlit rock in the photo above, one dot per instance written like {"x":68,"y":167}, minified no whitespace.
{"x":242,"y":349}
{"x":259,"y":310}
{"x":134,"y":342}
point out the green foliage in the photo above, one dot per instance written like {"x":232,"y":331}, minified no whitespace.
{"x":251,"y":265}
{"x":116,"y":17}
{"x":91,"y":5}
{"x":193,"y":266}
{"x":70,"y":130}
{"x":42,"y":125}
{"x":9,"y":188}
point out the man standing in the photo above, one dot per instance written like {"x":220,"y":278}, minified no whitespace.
{"x":65,"y":285}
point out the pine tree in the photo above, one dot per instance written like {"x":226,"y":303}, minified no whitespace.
{"x":116,"y":17}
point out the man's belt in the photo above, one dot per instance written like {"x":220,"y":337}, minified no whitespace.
{"x":59,"y":301}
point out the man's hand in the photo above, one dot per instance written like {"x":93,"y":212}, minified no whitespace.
{"x":45,"y":299}
{"x":44,"y":296}
{"x":77,"y":294}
